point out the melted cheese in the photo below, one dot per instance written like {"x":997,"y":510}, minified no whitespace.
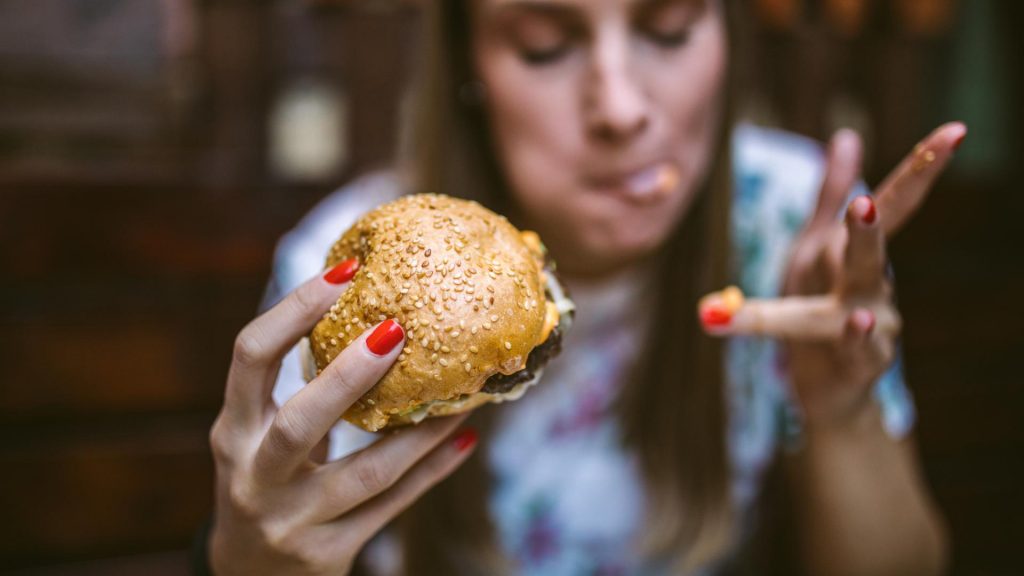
{"x":550,"y":320}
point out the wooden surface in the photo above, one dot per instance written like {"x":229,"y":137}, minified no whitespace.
{"x":127,"y":271}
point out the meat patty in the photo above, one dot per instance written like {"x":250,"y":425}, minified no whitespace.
{"x":539,"y":356}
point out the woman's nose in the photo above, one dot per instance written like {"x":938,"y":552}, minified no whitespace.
{"x":616,"y":107}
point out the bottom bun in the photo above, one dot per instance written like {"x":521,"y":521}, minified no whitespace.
{"x":459,"y":405}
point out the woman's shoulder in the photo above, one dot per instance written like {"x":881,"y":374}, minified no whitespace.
{"x":300,"y":252}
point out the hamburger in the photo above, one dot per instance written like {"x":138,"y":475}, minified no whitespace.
{"x":479,"y":300}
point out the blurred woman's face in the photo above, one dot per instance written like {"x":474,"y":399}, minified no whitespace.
{"x":604,"y":115}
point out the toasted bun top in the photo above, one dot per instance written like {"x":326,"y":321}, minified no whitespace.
{"x":466,"y":286}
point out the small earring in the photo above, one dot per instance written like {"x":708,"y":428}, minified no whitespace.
{"x":473,"y":93}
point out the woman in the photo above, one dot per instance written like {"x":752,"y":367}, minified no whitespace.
{"x":605,"y":126}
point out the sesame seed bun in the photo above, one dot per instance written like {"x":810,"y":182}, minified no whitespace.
{"x":468,"y":288}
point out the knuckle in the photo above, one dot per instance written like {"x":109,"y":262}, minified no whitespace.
{"x":286,"y":431}
{"x":220,"y":446}
{"x":279,"y":538}
{"x":242,"y":501}
{"x":371,"y":474}
{"x":295,"y":543}
{"x":313,"y":557}
{"x":248,"y":349}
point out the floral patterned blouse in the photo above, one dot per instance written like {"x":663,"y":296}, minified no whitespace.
{"x":556,"y":454}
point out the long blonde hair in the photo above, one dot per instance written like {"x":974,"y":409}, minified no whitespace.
{"x":672,"y":413}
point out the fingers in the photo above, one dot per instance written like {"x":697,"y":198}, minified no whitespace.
{"x":306,"y":418}
{"x":434,"y":467}
{"x":260,"y":346}
{"x":842,"y":172}
{"x":864,"y":260}
{"x":864,"y":349}
{"x":365,"y":474}
{"x":801,"y":318}
{"x":903,"y":192}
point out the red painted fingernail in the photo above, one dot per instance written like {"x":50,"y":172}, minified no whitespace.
{"x":385,"y":337}
{"x":959,"y":141}
{"x":868,"y":213}
{"x":714,"y":316}
{"x":343,"y":272}
{"x":865,"y":319}
{"x":466,"y":439}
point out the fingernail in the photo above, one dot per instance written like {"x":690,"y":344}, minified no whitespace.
{"x":866,"y":208}
{"x":385,"y":337}
{"x":865,"y":320}
{"x":342,"y":272}
{"x":959,"y":141}
{"x":466,"y":439}
{"x":715,"y":316}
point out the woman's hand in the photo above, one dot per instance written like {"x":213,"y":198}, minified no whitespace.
{"x":280,"y":512}
{"x":838,"y":317}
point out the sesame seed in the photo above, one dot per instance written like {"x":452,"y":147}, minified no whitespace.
{"x":508,"y":345}
{"x":487,"y":325}
{"x":433,"y":357}
{"x":443,"y":362}
{"x":334,"y":342}
{"x":445,"y":349}
{"x":474,"y":349}
{"x":468,"y":367}
{"x":473,"y":330}
{"x":494,"y":318}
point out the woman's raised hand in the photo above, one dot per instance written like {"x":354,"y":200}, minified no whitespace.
{"x":837,"y":315}
{"x":279,"y":511}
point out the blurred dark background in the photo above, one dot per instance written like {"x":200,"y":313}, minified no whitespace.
{"x":151,"y":153}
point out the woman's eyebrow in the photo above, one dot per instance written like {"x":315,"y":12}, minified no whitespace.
{"x":648,"y":4}
{"x":562,"y":9}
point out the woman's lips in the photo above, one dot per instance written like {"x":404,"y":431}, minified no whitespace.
{"x":644,"y":186}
